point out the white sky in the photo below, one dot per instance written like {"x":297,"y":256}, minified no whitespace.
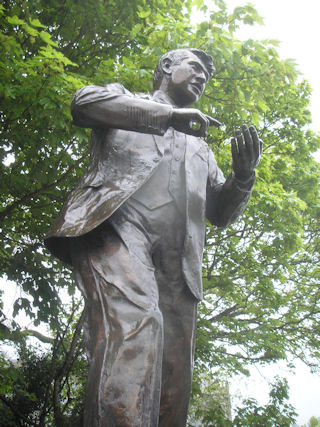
{"x":296,"y":24}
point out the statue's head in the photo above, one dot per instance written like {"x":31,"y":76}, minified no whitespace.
{"x":183,"y":73}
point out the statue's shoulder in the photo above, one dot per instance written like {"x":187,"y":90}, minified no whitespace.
{"x":120,"y":89}
{"x":95,"y":93}
{"x":143,"y":95}
{"x":117,"y":88}
{"x":111,"y":88}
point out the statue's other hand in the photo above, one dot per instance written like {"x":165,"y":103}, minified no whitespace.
{"x":191,"y":121}
{"x":246,"y":150}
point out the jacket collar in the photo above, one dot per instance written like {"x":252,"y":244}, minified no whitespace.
{"x":161,"y":97}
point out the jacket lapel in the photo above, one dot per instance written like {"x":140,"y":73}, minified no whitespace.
{"x":160,"y":143}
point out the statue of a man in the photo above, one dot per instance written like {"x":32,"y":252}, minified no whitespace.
{"x":133,"y":231}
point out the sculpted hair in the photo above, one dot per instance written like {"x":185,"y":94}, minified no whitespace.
{"x":176,"y":56}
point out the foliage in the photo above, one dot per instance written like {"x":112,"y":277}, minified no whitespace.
{"x":36,"y":136}
{"x":45,"y":386}
{"x":261,"y":274}
{"x":214,"y":408}
{"x":211,"y":402}
{"x":275,"y":413}
{"x":313,"y":422}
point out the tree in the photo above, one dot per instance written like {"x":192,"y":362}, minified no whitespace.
{"x":260,"y":275}
{"x":211,"y":402}
{"x":45,"y":387}
{"x":275,"y":413}
{"x":314,"y":422}
{"x":214,"y":412}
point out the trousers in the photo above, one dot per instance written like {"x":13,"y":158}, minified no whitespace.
{"x":141,"y":318}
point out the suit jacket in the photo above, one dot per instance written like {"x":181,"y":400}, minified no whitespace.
{"x":126,"y":146}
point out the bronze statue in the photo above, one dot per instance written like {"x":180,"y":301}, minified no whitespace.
{"x":133,"y":230}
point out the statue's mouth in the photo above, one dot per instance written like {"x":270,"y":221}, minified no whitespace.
{"x":198,"y":87}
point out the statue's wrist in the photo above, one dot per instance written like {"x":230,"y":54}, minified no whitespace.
{"x":170,"y":118}
{"x":244,"y":177}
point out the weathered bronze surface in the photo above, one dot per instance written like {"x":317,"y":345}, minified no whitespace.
{"x":133,"y":230}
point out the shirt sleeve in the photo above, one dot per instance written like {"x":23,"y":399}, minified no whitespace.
{"x":113,"y":106}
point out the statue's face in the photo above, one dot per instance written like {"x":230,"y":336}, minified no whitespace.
{"x":187,"y":80}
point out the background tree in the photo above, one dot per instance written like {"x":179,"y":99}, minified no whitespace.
{"x":277,"y":412}
{"x":214,"y":409}
{"x":211,"y":402}
{"x":261,"y":275}
{"x":45,"y":386}
{"x":313,"y":422}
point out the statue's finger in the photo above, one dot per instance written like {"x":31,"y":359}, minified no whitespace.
{"x":213,"y":122}
{"x":204,"y":123}
{"x":240,"y":144}
{"x":256,"y":141}
{"x":261,"y":146}
{"x":198,"y":127}
{"x":196,"y":132}
{"x":248,"y":140}
{"x":234,"y":150}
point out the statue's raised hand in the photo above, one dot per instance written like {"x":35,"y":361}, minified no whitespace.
{"x":246,"y":150}
{"x":186,"y":119}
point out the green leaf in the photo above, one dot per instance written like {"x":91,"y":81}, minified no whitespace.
{"x":14,"y":20}
{"x":47,"y":38}
{"x":36,"y":23}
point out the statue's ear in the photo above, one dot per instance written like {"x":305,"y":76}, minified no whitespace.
{"x":166,"y":65}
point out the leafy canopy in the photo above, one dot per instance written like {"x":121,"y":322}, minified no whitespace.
{"x":260,"y":275}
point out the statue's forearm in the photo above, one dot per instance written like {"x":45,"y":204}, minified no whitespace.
{"x":101,"y":108}
{"x":227,"y":204}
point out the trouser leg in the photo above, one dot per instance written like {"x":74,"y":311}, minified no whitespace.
{"x":124,"y":333}
{"x":177,"y":364}
{"x":179,"y":310}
